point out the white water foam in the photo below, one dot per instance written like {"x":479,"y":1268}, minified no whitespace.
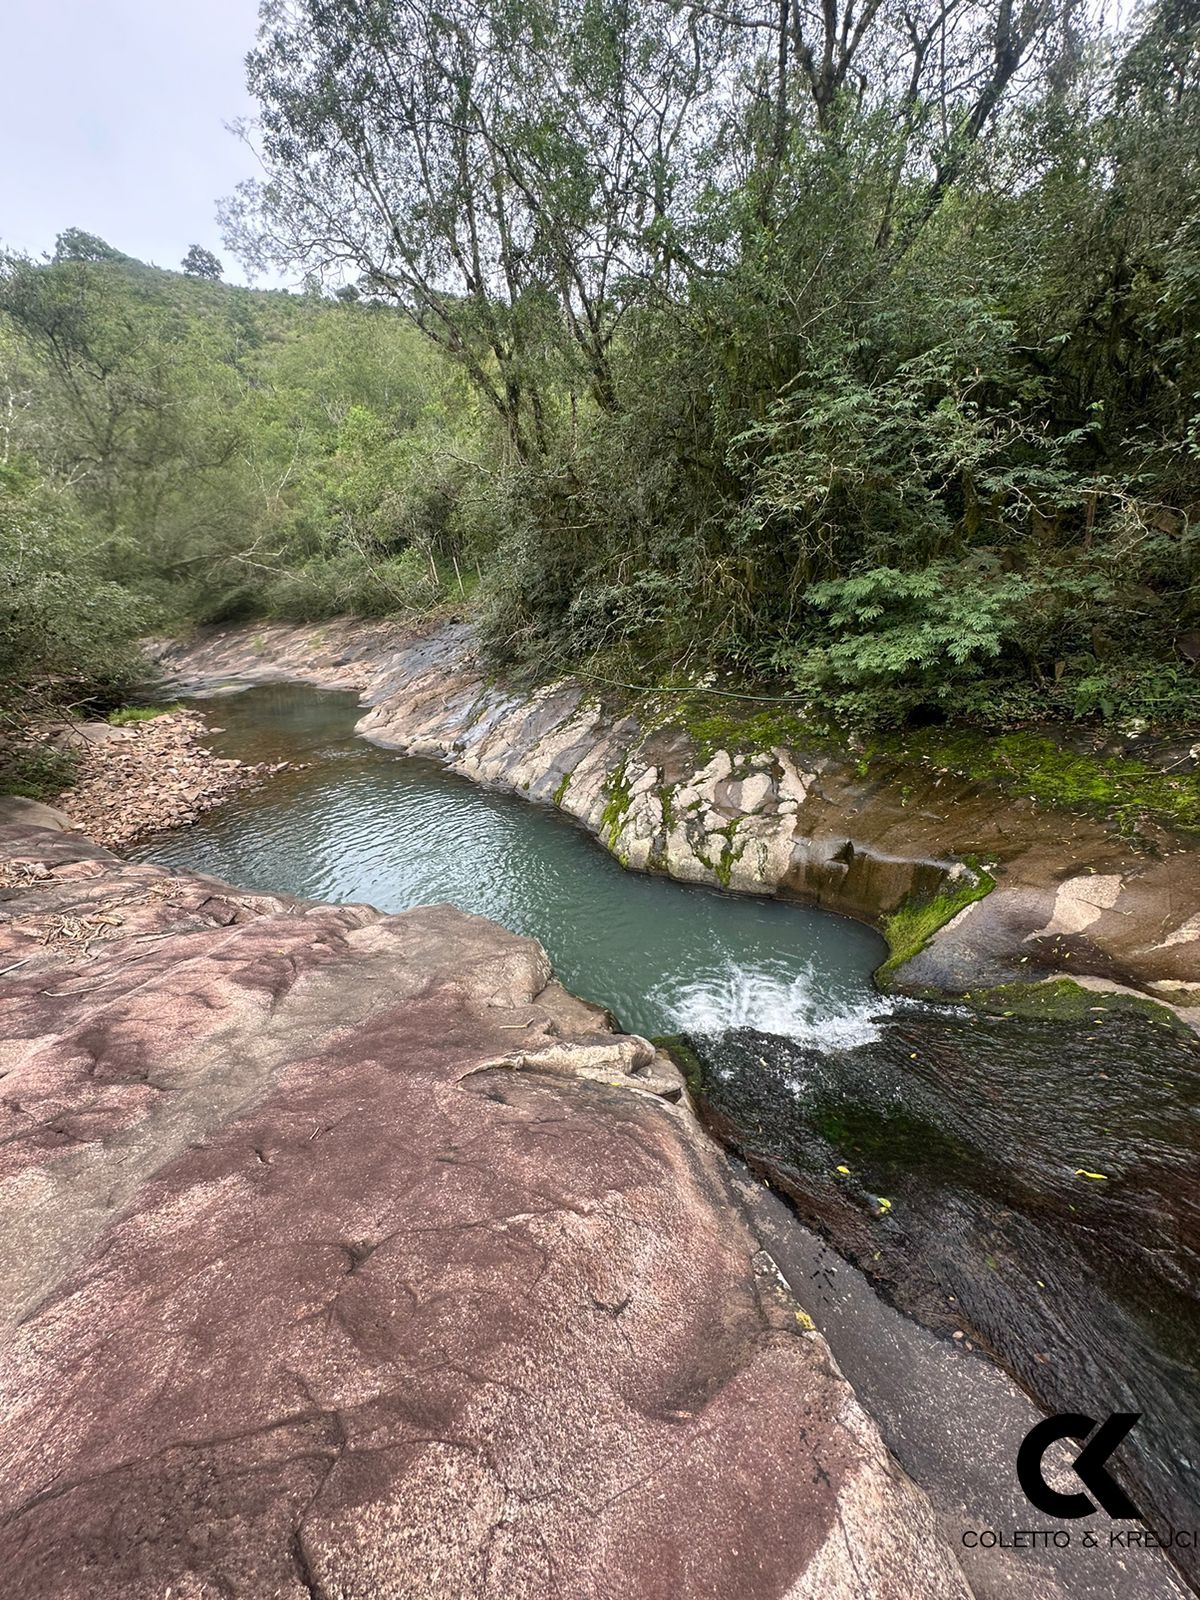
{"x":788,"y":1004}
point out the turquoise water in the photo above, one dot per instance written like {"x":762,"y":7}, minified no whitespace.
{"x":357,"y":823}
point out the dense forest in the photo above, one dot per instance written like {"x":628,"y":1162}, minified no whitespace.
{"x":848,"y":350}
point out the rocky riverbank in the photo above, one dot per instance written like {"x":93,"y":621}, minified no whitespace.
{"x":148,"y":775}
{"x":348,"y":1254}
{"x":974,"y":890}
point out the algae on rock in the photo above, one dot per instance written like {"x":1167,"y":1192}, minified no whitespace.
{"x":909,"y":929}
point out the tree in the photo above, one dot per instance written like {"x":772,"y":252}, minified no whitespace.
{"x":498,"y":171}
{"x":772,"y":296}
{"x":201,"y":263}
{"x":138,"y":413}
{"x":73,"y":244}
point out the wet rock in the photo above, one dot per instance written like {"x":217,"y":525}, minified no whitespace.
{"x":346,"y":1254}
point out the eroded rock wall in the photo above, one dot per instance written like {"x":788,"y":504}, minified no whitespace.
{"x":348,"y":1255}
{"x":752,"y":820}
{"x":1071,"y":897}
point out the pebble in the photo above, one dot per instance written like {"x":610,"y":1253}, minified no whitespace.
{"x":160,"y":775}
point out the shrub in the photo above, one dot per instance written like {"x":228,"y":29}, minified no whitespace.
{"x":67,"y":633}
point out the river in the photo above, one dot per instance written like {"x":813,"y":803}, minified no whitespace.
{"x":1032,"y":1186}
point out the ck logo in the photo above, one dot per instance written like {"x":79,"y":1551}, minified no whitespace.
{"x":1101,"y":1440}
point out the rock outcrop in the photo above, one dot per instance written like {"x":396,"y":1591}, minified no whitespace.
{"x":1071,"y":897}
{"x":348,"y":1255}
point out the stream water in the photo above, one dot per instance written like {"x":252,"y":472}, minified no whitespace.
{"x":946,"y":1154}
{"x":357,"y":823}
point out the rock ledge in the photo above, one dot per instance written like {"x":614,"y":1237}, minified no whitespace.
{"x":1071,"y":899}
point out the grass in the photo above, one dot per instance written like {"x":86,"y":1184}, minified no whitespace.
{"x":1121,"y":789}
{"x":126,"y":715}
{"x":909,"y":929}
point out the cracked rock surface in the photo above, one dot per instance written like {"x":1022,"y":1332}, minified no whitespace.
{"x":347,"y":1255}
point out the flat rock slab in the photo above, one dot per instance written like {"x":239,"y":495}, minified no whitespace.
{"x":348,"y":1256}
{"x":17,"y":809}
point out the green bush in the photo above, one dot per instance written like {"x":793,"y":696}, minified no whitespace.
{"x":67,"y":632}
{"x":35,"y":771}
{"x":336,"y":585}
{"x":875,"y":389}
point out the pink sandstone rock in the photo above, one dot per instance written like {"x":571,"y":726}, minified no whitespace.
{"x":348,"y":1257}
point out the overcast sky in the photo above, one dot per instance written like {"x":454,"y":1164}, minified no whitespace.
{"x":112,"y":119}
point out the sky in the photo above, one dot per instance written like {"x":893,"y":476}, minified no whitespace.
{"x":112,"y":119}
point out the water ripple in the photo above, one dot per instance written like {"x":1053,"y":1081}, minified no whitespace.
{"x":359,"y":824}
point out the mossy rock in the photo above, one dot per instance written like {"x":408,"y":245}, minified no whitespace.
{"x":910,"y":928}
{"x":684,"y":1057}
{"x":1064,"y":1000}
{"x":1123,"y":790}
{"x":743,"y":727}
{"x":612,"y":818}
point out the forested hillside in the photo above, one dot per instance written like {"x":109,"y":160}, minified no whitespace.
{"x":852,"y":350}
{"x":176,"y":449}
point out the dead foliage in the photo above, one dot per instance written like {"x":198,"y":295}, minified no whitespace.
{"x":151,"y":776}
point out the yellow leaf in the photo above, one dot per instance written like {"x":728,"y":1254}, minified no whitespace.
{"x":1102,"y":1177}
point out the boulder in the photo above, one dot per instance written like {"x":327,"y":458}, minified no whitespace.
{"x":18,"y":809}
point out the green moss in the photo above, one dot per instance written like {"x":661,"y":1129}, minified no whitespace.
{"x":560,"y":792}
{"x":684,"y":1057}
{"x":616,"y":806}
{"x":1063,"y":1000}
{"x":666,"y":795}
{"x":125,"y":715}
{"x":728,"y":853}
{"x":909,"y":929}
{"x":895,"y":1142}
{"x":718,"y":724}
{"x":1119,"y":789}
